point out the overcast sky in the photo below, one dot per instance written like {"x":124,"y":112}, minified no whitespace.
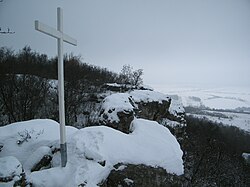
{"x":174,"y":41}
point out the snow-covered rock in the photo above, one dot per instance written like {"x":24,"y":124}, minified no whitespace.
{"x":33,"y":162}
{"x":148,"y":96}
{"x":33,"y":133}
{"x":10,"y":171}
{"x":176,"y":109}
{"x":114,"y":104}
{"x":149,"y":144}
{"x":119,"y":109}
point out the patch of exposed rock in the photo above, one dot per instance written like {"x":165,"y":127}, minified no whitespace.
{"x":153,"y":110}
{"x":127,"y":175}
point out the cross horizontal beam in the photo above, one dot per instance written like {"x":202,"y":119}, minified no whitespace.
{"x":54,"y":33}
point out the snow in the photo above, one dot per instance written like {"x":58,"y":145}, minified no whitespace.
{"x":116,"y":103}
{"x":145,"y":96}
{"x":53,"y":84}
{"x":128,"y":181}
{"x":35,"y":157}
{"x":246,"y":156}
{"x":148,"y":96}
{"x":176,"y":105}
{"x":120,"y":168}
{"x":170,"y":123}
{"x":40,"y":132}
{"x":143,"y":86}
{"x":227,"y":98}
{"x":149,"y":143}
{"x":212,"y":97}
{"x":114,"y":84}
{"x":10,"y":167}
{"x":239,"y":120}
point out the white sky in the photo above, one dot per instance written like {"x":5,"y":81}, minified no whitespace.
{"x":174,"y":41}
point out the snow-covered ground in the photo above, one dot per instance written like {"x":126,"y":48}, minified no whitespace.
{"x":149,"y":143}
{"x":236,"y":99}
{"x":217,"y":98}
{"x":239,"y":120}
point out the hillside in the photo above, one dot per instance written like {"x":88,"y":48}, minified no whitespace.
{"x":28,"y":86}
{"x":93,"y":151}
{"x":126,"y":149}
{"x":117,"y":133}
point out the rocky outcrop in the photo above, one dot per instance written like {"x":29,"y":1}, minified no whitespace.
{"x":147,"y":105}
{"x":119,"y":109}
{"x":129,"y":175}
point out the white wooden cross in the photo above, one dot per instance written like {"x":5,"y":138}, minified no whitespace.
{"x":61,"y":37}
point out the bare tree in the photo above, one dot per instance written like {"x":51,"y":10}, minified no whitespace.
{"x":137,"y":77}
{"x":23,"y":96}
{"x":128,"y":76}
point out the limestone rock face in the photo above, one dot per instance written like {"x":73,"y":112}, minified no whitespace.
{"x":126,"y":117}
{"x":140,"y":176}
{"x":153,"y":110}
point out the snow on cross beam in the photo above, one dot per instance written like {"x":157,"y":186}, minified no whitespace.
{"x":61,"y":37}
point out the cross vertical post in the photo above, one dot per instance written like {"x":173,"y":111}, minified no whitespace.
{"x":61,"y":37}
{"x":63,"y":145}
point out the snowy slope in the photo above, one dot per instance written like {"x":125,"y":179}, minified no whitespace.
{"x":149,"y":143}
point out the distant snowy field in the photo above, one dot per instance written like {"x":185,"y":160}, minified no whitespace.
{"x":239,"y":120}
{"x":217,"y":99}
